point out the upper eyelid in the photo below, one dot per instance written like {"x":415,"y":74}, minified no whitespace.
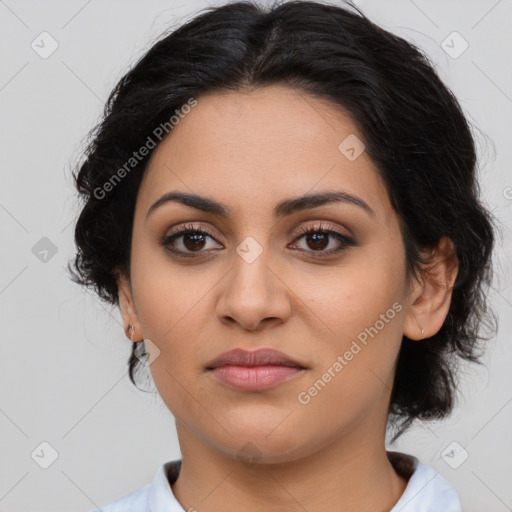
{"x":188,"y":227}
{"x":320,"y":225}
{"x":325,"y":224}
{"x":345,"y":241}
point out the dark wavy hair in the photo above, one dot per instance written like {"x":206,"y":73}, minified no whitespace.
{"x":413,"y":128}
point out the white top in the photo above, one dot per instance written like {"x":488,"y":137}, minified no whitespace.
{"x":426,"y":491}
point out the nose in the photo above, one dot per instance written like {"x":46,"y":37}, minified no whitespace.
{"x":253,"y":295}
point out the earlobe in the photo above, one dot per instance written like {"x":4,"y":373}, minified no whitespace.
{"x":127,"y":306}
{"x":431,"y":296}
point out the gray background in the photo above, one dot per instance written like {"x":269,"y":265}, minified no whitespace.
{"x":63,"y":353}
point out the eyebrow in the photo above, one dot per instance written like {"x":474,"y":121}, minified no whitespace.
{"x":284,"y":208}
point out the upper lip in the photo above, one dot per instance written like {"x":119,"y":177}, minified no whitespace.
{"x":263,"y":356}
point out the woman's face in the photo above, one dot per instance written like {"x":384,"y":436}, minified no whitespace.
{"x":253,"y":281}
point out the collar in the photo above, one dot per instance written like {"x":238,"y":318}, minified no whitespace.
{"x":426,"y":489}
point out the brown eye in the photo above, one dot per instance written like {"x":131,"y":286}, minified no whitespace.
{"x":187,"y":240}
{"x":318,"y":238}
{"x":317,"y":241}
{"x":193,"y":241}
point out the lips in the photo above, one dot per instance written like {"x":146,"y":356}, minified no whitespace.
{"x":254,"y":371}
{"x":261,"y":357}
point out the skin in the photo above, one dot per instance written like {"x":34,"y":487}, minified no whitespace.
{"x":250,"y":150}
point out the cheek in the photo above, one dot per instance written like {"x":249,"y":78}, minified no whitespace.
{"x":167,"y":293}
{"x":171,"y":303}
{"x":358,"y":311}
{"x":172,"y":314}
{"x":363,"y":312}
{"x":353,"y":295}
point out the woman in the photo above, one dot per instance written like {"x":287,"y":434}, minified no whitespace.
{"x":283,"y":203}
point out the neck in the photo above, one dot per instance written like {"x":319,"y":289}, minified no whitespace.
{"x":349,"y":474}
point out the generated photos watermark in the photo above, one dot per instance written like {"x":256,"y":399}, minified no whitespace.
{"x":137,"y":156}
{"x":305,"y":397}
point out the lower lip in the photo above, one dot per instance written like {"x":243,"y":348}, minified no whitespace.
{"x":254,"y":378}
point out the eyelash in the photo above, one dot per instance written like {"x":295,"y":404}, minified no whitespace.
{"x":345,"y":241}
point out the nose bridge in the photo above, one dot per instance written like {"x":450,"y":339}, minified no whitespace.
{"x":253,"y":291}
{"x":252,"y":277}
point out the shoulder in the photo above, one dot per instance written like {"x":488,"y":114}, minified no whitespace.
{"x":436,"y":489}
{"x":135,"y":500}
{"x":427,"y":490}
{"x":156,"y":495}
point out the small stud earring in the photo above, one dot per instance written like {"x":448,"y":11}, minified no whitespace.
{"x":132,"y":334}
{"x":422,"y":331}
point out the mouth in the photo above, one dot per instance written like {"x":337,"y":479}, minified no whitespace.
{"x":254,"y":370}
{"x":260,"y":357}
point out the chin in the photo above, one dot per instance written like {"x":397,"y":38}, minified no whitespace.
{"x":257,"y":446}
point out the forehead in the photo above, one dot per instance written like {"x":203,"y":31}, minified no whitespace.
{"x":248,"y":149}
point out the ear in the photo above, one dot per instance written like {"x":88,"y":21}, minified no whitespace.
{"x":127,"y":306}
{"x":431,"y":295}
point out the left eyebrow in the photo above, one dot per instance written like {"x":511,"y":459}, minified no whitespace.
{"x":282,"y":209}
{"x":296,"y":204}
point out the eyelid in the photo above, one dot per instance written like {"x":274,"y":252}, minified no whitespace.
{"x":322,"y":225}
{"x":344,"y":241}
{"x":183,"y":229}
{"x":297,"y":232}
{"x":189,"y":227}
